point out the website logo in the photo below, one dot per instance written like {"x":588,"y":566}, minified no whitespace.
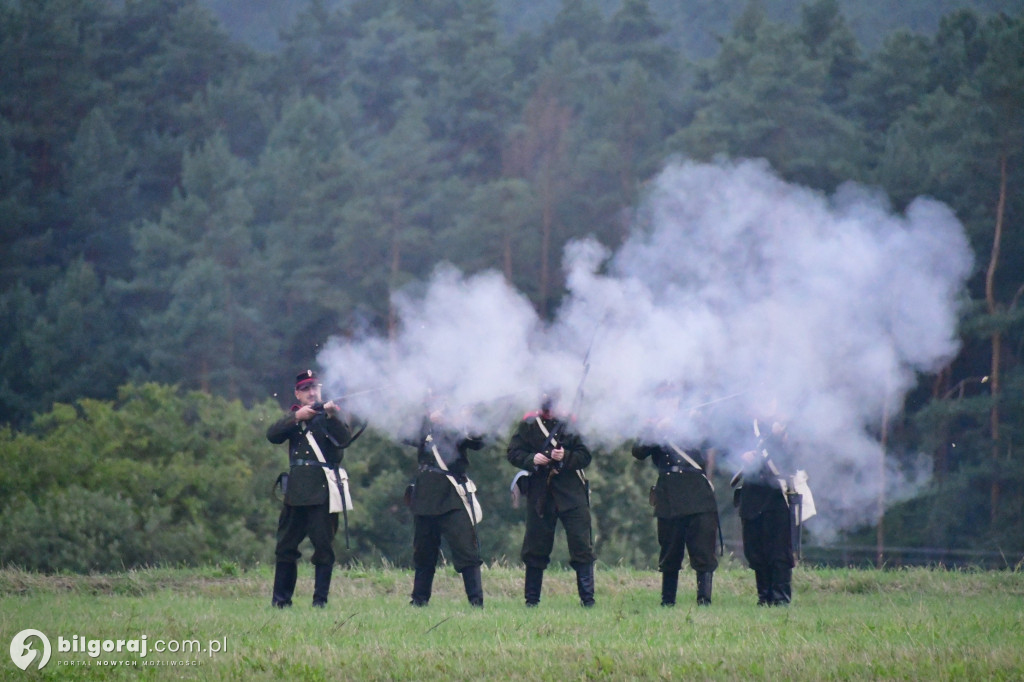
{"x":23,"y":653}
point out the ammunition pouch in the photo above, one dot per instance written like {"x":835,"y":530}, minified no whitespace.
{"x":410,"y":494}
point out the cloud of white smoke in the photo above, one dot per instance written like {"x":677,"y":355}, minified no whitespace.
{"x":748,"y":296}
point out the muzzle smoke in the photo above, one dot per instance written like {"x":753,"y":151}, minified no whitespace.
{"x":737,"y":295}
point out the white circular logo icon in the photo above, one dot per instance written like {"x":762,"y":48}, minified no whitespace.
{"x":23,"y":653}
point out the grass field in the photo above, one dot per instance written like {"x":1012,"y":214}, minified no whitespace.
{"x":844,"y":624}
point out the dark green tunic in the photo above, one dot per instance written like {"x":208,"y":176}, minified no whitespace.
{"x":685,"y":505}
{"x":435,"y":493}
{"x":554,"y":492}
{"x":681,"y":489}
{"x":562,"y":483}
{"x":438,"y":511}
{"x":307,"y":484}
{"x":306,"y":508}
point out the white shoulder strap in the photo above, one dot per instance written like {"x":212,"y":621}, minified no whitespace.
{"x":465,"y":491}
{"x":437,"y":455}
{"x":544,"y":430}
{"x":340,"y":498}
{"x":689,"y":460}
{"x":692,"y":462}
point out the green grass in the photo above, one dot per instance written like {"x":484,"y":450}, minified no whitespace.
{"x":844,"y":624}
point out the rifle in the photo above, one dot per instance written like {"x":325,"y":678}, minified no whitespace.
{"x":796,"y":524}
{"x":551,"y":442}
{"x":321,"y":411}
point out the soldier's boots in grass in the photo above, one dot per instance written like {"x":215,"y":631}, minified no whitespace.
{"x":422,"y":583}
{"x":285,"y":574}
{"x":774,"y":588}
{"x":670,"y":585}
{"x":474,"y":585}
{"x":704,"y":582}
{"x":585,"y":582}
{"x":532,"y":585}
{"x":321,"y":584}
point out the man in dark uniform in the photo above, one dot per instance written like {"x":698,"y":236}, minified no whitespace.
{"x":442,"y":500}
{"x":684,"y":503}
{"x":765,"y":516}
{"x":307,"y":507}
{"x":556,"y":489}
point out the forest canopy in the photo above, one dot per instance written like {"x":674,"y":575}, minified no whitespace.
{"x":183,"y":212}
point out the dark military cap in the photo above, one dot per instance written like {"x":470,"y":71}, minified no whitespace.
{"x":305,"y":379}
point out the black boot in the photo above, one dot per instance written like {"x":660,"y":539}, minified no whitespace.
{"x":285,"y":574}
{"x":474,"y":586}
{"x":781,"y":591}
{"x":534,"y":582}
{"x":321,"y":584}
{"x":782,"y":594}
{"x":764,"y":587}
{"x":704,"y":588}
{"x":585,"y":583}
{"x":422,"y":582}
{"x":669,"y":585}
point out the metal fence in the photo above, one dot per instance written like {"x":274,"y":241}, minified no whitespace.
{"x":869,"y":556}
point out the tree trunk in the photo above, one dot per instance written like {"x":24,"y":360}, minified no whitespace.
{"x":547,"y":217}
{"x":997,"y":340}
{"x":232,"y":351}
{"x":396,"y":264}
{"x":506,"y":257}
{"x":940,"y":460}
{"x":880,"y":526}
{"x":204,"y":375}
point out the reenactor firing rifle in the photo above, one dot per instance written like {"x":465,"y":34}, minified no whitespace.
{"x":794,"y":488}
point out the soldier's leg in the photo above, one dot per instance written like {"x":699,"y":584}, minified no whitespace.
{"x":472,"y":580}
{"x":671,"y":541}
{"x":757,"y":558}
{"x":291,"y":529}
{"x":780,"y":556}
{"x":701,"y":532}
{"x":323,"y":526}
{"x":538,"y":542}
{"x":458,"y":531}
{"x":426,"y":544}
{"x":578,"y":533}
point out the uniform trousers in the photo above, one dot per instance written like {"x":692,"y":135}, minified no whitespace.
{"x":312,"y":521}
{"x":456,"y":528}
{"x":768,"y":542}
{"x":693,"y":533}
{"x":539,"y":539}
